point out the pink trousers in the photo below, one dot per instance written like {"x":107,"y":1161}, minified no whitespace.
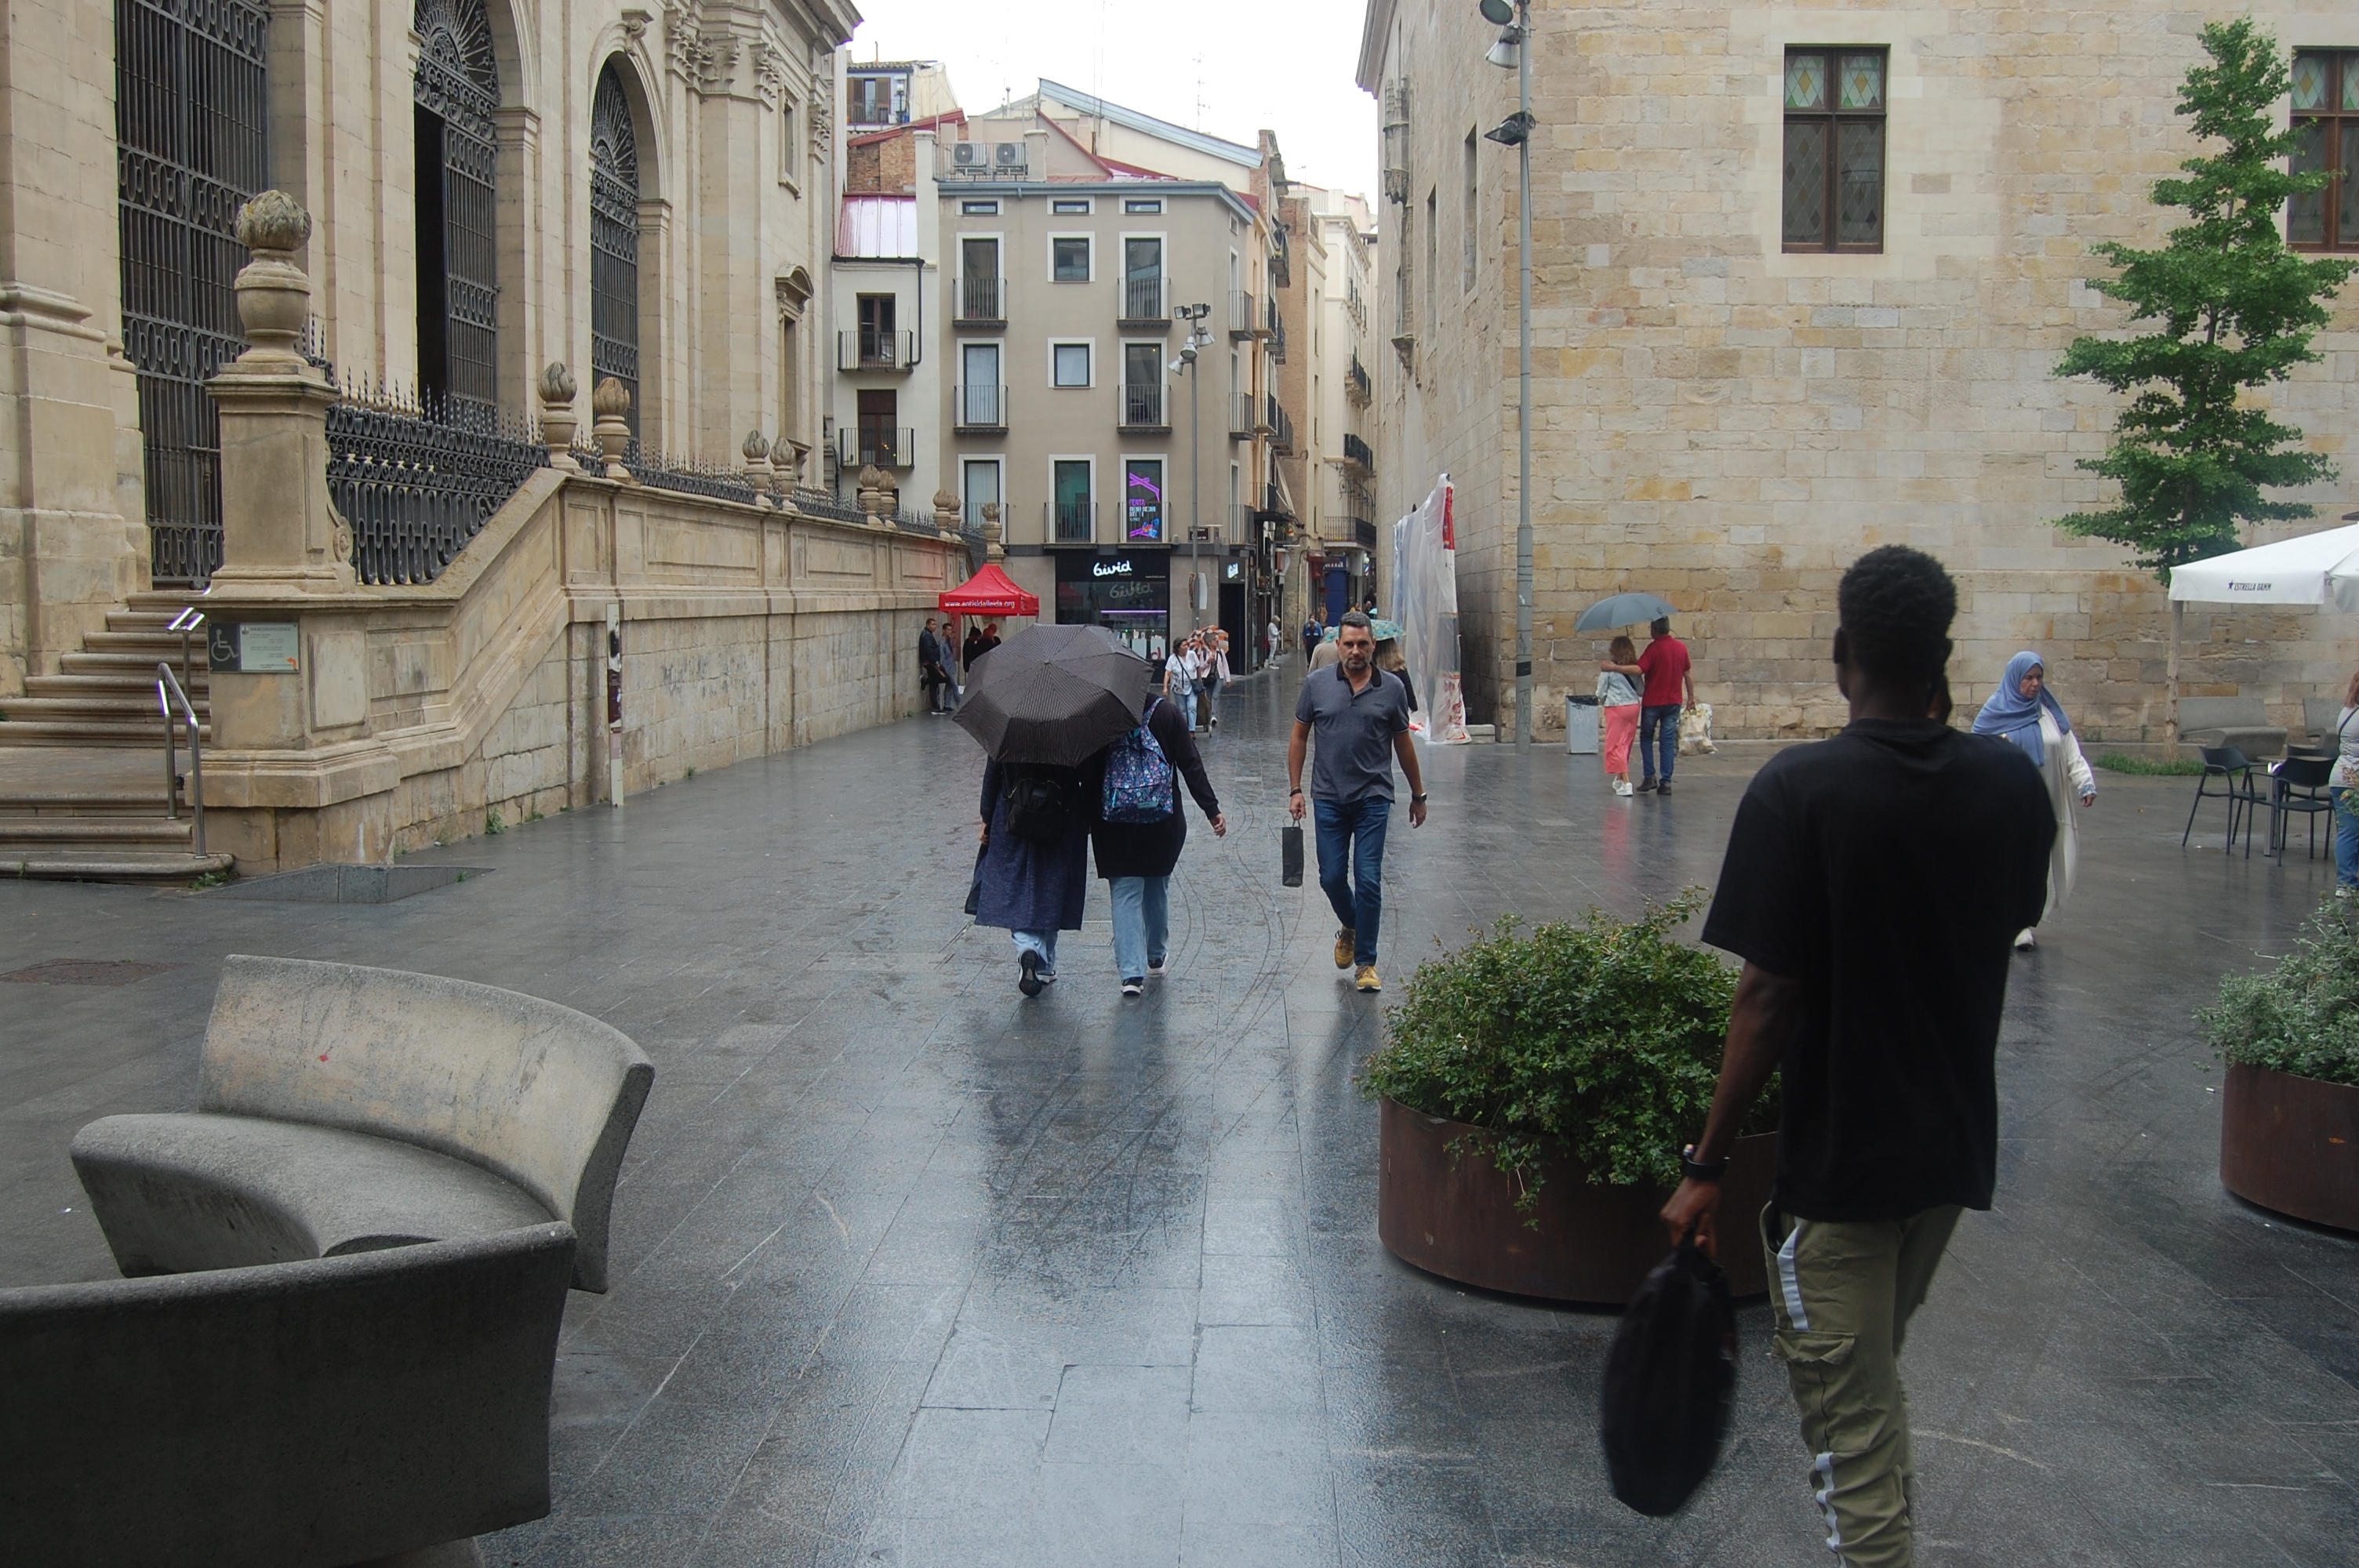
{"x":1620,"y":729}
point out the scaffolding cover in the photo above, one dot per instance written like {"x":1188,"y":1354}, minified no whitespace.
{"x":1425,"y":602}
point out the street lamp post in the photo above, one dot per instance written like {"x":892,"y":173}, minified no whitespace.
{"x":1513,"y":49}
{"x":1186,"y":363}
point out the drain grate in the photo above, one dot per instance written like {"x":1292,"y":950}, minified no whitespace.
{"x":88,"y":972}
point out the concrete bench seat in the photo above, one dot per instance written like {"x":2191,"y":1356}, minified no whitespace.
{"x":383,"y":1408}
{"x":2239,"y":721}
{"x":340,"y":1107}
{"x":226,"y":1191}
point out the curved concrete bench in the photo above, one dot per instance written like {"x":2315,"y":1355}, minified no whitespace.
{"x":343,"y":1108}
{"x":312,"y":1414}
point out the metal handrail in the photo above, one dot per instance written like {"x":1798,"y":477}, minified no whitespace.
{"x":168,"y":686}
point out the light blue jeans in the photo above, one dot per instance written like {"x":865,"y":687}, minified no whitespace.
{"x":1041,"y":942}
{"x":1186,"y":697}
{"x":1142,"y":923}
{"x":2346,"y":836}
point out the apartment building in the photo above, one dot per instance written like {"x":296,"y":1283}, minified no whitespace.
{"x":1340,"y":554}
{"x":1109,"y":387}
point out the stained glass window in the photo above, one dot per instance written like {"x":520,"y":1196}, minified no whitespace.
{"x":2326,"y":140}
{"x":1833,"y":173}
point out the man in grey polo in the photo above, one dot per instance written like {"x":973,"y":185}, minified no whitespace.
{"x":1361,"y":716}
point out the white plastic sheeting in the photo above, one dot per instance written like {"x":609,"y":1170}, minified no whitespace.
{"x":1425,"y":603}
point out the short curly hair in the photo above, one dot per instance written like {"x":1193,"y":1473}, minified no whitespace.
{"x":1895,"y":605}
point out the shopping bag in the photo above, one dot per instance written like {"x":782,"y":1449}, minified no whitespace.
{"x":1669,"y":1380}
{"x":1289,"y":848}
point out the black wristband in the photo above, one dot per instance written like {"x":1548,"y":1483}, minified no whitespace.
{"x":1296,"y":790}
{"x":1417,"y":800}
{"x":1696,"y":1170}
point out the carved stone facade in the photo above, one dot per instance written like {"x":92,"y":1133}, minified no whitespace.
{"x":1728,"y":420}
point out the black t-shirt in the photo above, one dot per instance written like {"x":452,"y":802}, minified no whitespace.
{"x":1887,"y":870}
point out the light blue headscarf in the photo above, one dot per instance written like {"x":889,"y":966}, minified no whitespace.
{"x":2010,"y":713}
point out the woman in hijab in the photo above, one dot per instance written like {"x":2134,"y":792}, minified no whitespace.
{"x":2024,"y":712}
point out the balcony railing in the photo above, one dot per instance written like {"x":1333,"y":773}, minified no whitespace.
{"x":1241,"y":314}
{"x":1243,"y":529}
{"x":980,"y":407}
{"x":885,"y":446}
{"x":1241,"y":417}
{"x":982,"y":301}
{"x":867,"y":349}
{"x":1142,"y":299}
{"x":1357,"y":383}
{"x":1069,"y":521}
{"x":1281,"y":426}
{"x":1356,"y":450}
{"x":1271,"y":327}
{"x":1364,"y":532}
{"x":1142,"y":408}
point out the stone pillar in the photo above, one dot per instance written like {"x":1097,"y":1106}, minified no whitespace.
{"x":611,"y":403}
{"x":992,"y":549}
{"x":557,"y":421}
{"x":946,"y":512}
{"x":873,"y":495}
{"x":279,"y":530}
{"x":757,"y":467}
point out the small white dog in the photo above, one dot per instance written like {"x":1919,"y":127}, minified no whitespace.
{"x":1695,"y":729}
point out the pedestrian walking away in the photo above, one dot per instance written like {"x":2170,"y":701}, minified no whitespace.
{"x":1617,"y":695}
{"x":2025,"y":711}
{"x":971,"y":649}
{"x":1360,"y":716}
{"x":1140,"y":829}
{"x":2343,"y":789}
{"x":1666,"y":665}
{"x":1872,"y":885}
{"x":1034,"y":880}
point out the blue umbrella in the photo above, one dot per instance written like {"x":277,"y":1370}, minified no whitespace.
{"x":1622,"y":609}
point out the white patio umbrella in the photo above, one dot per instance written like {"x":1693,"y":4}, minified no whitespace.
{"x":2316,"y":569}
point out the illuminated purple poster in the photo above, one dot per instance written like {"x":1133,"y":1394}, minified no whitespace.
{"x":1143,"y":499}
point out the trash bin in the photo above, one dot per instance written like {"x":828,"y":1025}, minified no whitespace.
{"x":1580,"y":725}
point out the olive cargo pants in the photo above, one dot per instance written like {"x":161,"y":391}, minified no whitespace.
{"x":1842,"y":1292}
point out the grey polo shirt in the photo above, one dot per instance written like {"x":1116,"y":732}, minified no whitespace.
{"x":1354,"y":733}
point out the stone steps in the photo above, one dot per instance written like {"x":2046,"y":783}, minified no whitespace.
{"x":108,"y":865}
{"x":106,"y":694}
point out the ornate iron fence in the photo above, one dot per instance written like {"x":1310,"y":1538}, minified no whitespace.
{"x":820,"y":503}
{"x":687,"y":476}
{"x":417,"y":478}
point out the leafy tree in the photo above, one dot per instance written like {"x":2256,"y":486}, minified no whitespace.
{"x":2236,"y":308}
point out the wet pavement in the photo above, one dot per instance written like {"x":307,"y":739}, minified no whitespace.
{"x":909,"y":1271}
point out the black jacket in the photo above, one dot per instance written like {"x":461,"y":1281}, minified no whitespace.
{"x":1152,"y":849}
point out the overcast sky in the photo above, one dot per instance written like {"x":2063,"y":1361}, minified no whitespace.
{"x":1284,"y":67}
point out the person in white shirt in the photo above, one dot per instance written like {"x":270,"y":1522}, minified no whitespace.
{"x":1216,"y":675}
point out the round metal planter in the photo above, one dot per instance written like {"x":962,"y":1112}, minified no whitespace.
{"x":2291,"y":1145}
{"x":1455,"y":1216}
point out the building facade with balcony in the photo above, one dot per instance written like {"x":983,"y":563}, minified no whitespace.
{"x":886,"y":393}
{"x":1339,"y":558}
{"x":1131,"y":492}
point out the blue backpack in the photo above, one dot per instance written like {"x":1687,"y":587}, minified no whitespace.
{"x":1138,"y":776}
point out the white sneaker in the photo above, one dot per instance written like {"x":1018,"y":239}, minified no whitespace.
{"x":2023,"y":940}
{"x":1622,"y":786}
{"x":1160,"y":965}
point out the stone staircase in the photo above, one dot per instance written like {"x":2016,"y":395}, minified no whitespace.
{"x":82,"y":769}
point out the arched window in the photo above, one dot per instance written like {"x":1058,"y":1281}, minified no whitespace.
{"x":456,"y":92}
{"x":614,"y":239}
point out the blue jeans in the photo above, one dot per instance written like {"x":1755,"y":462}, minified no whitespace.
{"x":1041,"y":942}
{"x":1664,"y":718}
{"x":2346,"y":836}
{"x":1186,"y":697}
{"x":1351,"y":865}
{"x":1142,"y":923}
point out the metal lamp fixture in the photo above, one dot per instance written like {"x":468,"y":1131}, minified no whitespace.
{"x":1195,"y":316}
{"x":1509,"y":52}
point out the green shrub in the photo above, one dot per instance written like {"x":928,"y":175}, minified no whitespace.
{"x":2301,"y":1017}
{"x":493,"y":825}
{"x":1602,"y":1037}
{"x":2118,"y":763}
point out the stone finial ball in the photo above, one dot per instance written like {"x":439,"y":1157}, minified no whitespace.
{"x":945,"y":502}
{"x":756,"y":448}
{"x":611,"y":400}
{"x":556,"y":384}
{"x":273,"y":220}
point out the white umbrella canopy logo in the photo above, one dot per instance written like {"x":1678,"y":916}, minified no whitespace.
{"x":2317,"y":568}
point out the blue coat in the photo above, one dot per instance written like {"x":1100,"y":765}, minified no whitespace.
{"x":1033,"y":887}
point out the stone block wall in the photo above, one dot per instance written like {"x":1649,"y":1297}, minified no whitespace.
{"x":1729,"y":425}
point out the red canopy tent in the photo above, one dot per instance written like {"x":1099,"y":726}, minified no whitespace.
{"x":990,"y":592}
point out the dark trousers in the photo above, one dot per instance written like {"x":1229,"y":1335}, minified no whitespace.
{"x":1351,"y":865}
{"x":935,"y":681}
{"x":1663,"y":719}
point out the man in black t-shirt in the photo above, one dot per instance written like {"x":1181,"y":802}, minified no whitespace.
{"x":1874,"y":884}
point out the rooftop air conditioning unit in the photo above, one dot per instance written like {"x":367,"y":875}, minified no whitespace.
{"x":968,"y":156}
{"x":1007,"y":154}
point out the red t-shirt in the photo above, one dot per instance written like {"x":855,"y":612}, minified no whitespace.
{"x":1666,"y":663}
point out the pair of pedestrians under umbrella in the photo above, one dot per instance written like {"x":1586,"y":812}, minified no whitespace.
{"x":1083,"y":756}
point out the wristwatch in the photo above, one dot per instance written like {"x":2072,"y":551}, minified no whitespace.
{"x":1696,"y":1170}
{"x":1417,"y":800}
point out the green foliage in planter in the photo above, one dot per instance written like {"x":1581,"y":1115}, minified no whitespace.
{"x":1604,"y":1037}
{"x":2301,"y":1017}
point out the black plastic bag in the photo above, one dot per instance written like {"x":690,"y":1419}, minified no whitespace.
{"x":1669,"y":1380}
{"x":1289,"y":853}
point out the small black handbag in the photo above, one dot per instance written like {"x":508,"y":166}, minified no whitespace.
{"x":1670,"y":1378}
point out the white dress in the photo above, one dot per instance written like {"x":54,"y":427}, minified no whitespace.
{"x":2069,"y":778}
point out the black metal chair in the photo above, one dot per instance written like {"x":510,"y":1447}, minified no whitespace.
{"x":2235,"y":771}
{"x":2298,"y":784}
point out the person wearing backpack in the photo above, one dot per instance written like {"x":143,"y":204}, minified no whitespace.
{"x":1140,"y":829}
{"x":1034,"y":879}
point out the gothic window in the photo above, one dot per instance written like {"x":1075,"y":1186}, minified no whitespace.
{"x":2326,"y":136}
{"x":614,"y":239}
{"x":456,"y":92}
{"x":1834,"y":150}
{"x":190,"y":111}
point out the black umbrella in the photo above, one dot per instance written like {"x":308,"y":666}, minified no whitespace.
{"x":1053,"y":694}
